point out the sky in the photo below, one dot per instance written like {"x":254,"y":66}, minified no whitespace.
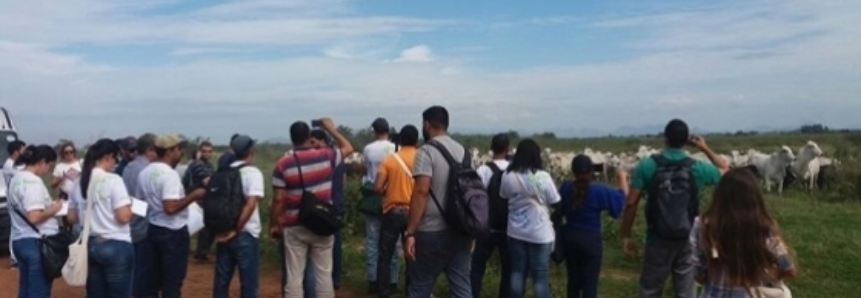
{"x":84,"y":69}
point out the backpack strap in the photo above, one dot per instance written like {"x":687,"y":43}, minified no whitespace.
{"x":493,"y":167}
{"x":448,"y":157}
{"x":403,"y":165}
{"x":299,"y":168}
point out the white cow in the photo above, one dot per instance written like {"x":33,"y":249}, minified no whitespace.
{"x":806,"y":166}
{"x":773,"y":167}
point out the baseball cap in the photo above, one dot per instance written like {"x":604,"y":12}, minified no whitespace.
{"x":129,"y":143}
{"x":167,"y":141}
{"x":581,"y":164}
{"x":241,"y":144}
{"x":380,"y":125}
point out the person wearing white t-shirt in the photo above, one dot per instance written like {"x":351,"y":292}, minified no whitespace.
{"x":66,"y":171}
{"x":530,"y":190}
{"x":373,"y":155}
{"x":241,"y":247}
{"x":111,"y":254}
{"x":496,"y":239}
{"x":161,"y":187}
{"x":32,"y":212}
{"x":15,"y":149}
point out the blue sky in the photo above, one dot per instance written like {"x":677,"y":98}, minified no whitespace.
{"x":82,"y":69}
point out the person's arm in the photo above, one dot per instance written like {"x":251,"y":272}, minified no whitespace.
{"x":784,"y":260}
{"x":719,"y":162}
{"x":698,"y":256}
{"x":254,"y":190}
{"x":34,"y":203}
{"x":382,"y":177}
{"x":548,"y":188}
{"x":638,"y":182}
{"x":343,"y":143}
{"x":279,"y":200}
{"x":58,"y":177}
{"x":74,"y":198}
{"x":172,"y":197}
{"x":423,"y":172}
{"x":121,"y":202}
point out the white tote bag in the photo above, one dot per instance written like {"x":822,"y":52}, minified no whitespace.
{"x":75,"y":269}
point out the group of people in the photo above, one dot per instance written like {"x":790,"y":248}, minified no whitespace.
{"x":734,"y":249}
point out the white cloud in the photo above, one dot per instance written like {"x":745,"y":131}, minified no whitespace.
{"x":420,"y":53}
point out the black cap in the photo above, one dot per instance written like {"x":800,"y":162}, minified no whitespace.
{"x":581,"y":164}
{"x":380,"y":125}
{"x":241,"y":144}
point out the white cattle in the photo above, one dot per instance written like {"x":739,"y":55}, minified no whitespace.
{"x":772,"y":167}
{"x":806,"y":166}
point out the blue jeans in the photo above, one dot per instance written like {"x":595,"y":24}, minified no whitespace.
{"x":111,"y":268}
{"x":534,"y":257}
{"x":143,"y":284}
{"x":242,"y":251}
{"x":484,"y":247}
{"x":170,"y":250}
{"x":31,"y":281}
{"x":308,"y":286}
{"x":438,"y":252}
{"x":583,"y":253}
{"x":372,"y":250}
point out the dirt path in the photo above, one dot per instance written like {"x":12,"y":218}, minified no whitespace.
{"x":198,"y":283}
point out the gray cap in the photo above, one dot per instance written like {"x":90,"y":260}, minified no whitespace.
{"x":241,"y":144}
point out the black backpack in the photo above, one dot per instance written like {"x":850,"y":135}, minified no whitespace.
{"x":466,"y":205}
{"x":224,"y":200}
{"x":673,"y":201}
{"x":498,"y":206}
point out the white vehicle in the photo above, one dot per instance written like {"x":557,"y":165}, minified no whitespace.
{"x":7,"y":135}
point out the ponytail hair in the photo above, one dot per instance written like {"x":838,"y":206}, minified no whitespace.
{"x":99,"y":150}
{"x":35,"y":154}
{"x":581,"y":165}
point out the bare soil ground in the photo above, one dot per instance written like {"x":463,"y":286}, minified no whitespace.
{"x":198,"y":283}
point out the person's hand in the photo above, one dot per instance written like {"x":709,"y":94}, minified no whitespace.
{"x":225,"y":236}
{"x":410,"y":248}
{"x":698,"y":141}
{"x":622,"y":175}
{"x":57,"y":205}
{"x":629,"y":247}
{"x":275,"y":232}
{"x":327,"y":124}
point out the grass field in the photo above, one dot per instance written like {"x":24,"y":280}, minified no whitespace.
{"x":822,"y":229}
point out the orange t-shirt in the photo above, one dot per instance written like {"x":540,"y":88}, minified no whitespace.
{"x":399,"y":184}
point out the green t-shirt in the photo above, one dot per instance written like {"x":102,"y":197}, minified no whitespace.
{"x":705,"y":174}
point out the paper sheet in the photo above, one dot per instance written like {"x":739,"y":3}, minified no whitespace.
{"x":65,"y":210}
{"x":195,"y":218}
{"x":139,"y":207}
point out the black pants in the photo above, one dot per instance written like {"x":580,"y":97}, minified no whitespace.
{"x":484,"y":247}
{"x":205,"y":238}
{"x":583,"y":252}
{"x":394,"y":224}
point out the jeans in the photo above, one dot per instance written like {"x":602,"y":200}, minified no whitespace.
{"x":661,"y":258}
{"x":301,"y":244}
{"x":583,"y":253}
{"x":31,"y":281}
{"x":143,"y":284}
{"x":372,"y":249}
{"x":205,"y":239}
{"x":484,"y":247}
{"x":394,"y":224}
{"x":438,"y":252}
{"x":242,"y":251}
{"x":111,"y":268}
{"x":170,"y":250}
{"x":536,"y":258}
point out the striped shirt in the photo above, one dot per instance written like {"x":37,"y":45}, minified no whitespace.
{"x":318,"y":168}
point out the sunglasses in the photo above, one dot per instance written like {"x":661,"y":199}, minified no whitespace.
{"x":68,"y":152}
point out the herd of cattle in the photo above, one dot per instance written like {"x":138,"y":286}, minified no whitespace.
{"x":779,"y":168}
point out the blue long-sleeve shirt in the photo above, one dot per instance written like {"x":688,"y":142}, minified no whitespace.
{"x":588,"y":215}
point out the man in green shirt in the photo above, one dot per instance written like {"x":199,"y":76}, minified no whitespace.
{"x":665,"y":256}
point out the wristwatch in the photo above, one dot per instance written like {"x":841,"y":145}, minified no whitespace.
{"x":409,"y":235}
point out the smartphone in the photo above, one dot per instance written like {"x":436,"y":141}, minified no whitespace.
{"x":316,"y":123}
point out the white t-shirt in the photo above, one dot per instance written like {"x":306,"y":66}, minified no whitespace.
{"x":486,"y":172}
{"x":60,"y":172}
{"x":159,"y":182}
{"x":27,"y":192}
{"x":252,"y":186}
{"x":110,"y":194}
{"x":529,"y":220}
{"x":9,"y":170}
{"x":373,"y":154}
